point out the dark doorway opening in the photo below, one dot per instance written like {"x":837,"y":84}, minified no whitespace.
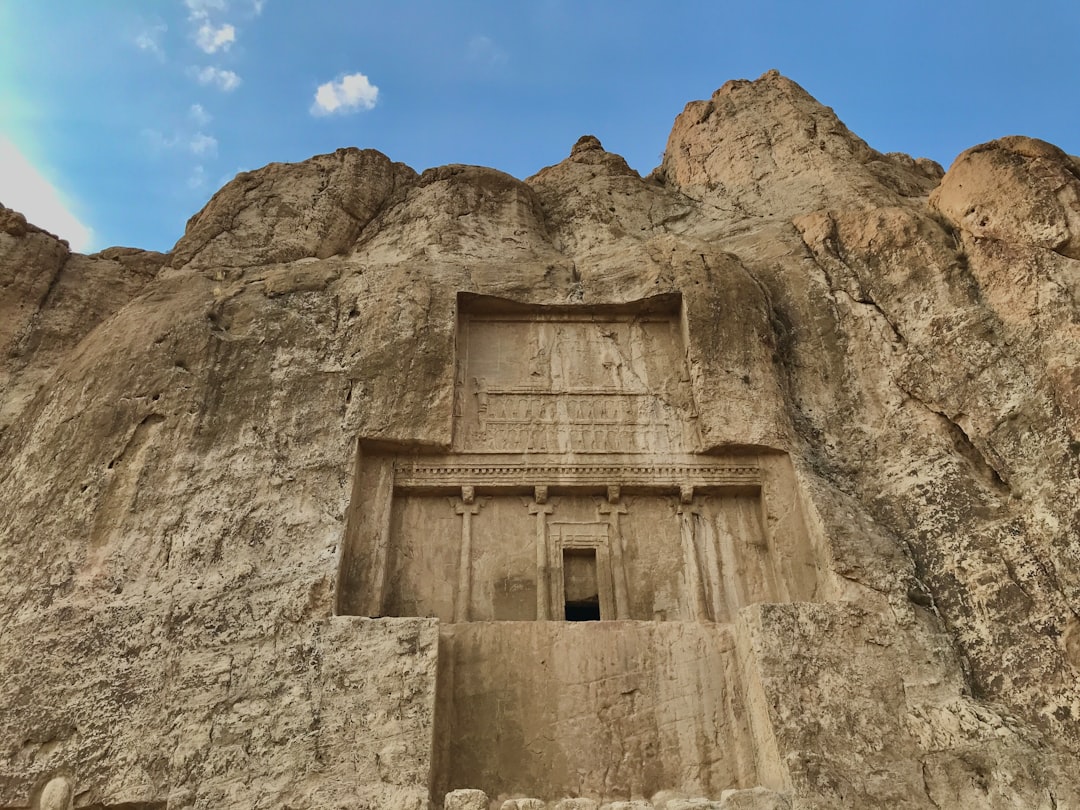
{"x":581,"y":593}
{"x":583,"y":611}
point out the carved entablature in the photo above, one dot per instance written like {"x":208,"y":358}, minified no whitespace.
{"x":575,"y":486}
{"x":505,"y":470}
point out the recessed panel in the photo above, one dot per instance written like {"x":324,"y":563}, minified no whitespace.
{"x":505,"y":557}
{"x":564,"y":384}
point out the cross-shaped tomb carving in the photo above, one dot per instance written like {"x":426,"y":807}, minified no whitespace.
{"x":576,"y":491}
{"x":575,"y":487}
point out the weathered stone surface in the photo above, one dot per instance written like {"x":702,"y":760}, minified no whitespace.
{"x":1015,"y":189}
{"x":758,"y":798}
{"x":581,"y":718}
{"x":466,"y":799}
{"x":857,"y":585}
{"x":50,"y":299}
{"x":576,"y":804}
{"x":205,"y":697}
{"x":286,"y":212}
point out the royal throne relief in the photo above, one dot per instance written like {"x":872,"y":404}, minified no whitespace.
{"x":566,"y":383}
{"x":567,"y":417}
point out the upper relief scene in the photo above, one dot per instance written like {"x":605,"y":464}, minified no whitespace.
{"x":572,"y":381}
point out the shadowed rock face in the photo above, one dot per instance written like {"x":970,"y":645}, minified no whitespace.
{"x":186,"y":444}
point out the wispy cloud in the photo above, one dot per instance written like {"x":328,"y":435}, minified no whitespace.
{"x":28,"y":191}
{"x":197,"y":178}
{"x":485,"y":51}
{"x":201,"y":9}
{"x":198,"y":114}
{"x":213,"y":39}
{"x":224,"y":80}
{"x":202,"y":144}
{"x":158,"y":141}
{"x":350,"y":93}
{"x":208,"y":34}
{"x":149,"y":40}
{"x":257,"y":6}
{"x":198,"y":142}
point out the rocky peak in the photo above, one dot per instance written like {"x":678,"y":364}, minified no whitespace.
{"x":767,"y":148}
{"x":1015,"y":189}
{"x":288,"y":211}
{"x":587,"y":158}
{"x":586,"y":143}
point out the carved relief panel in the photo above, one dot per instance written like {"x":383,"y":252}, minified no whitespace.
{"x":572,"y":383}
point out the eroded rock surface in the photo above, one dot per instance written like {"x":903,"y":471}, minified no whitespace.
{"x":226,"y":472}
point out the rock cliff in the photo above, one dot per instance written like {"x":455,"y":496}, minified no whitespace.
{"x":204,"y":455}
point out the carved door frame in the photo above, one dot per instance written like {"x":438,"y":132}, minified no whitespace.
{"x":599,"y":540}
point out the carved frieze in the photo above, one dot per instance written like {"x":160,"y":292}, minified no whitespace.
{"x":429,"y":472}
{"x":572,"y":384}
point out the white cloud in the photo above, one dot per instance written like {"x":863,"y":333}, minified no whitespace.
{"x":26,"y":190}
{"x":212,"y":40}
{"x":202,"y":144}
{"x":199,"y":115}
{"x":257,"y":6}
{"x":485,"y":51}
{"x":200,"y":9}
{"x":348,"y":94}
{"x":149,"y":40}
{"x":224,"y":79}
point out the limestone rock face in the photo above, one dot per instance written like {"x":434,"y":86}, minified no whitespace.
{"x":767,"y":148}
{"x":1015,"y":189}
{"x":50,"y":299}
{"x":286,"y":212}
{"x":306,"y":512}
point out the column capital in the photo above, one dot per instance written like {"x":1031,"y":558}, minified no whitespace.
{"x":611,"y":508}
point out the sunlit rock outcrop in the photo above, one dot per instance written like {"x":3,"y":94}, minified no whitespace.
{"x":752,"y":483}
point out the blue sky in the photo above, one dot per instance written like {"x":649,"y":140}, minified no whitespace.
{"x":119,"y":118}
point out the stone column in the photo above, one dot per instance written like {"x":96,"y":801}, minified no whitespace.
{"x":695,"y":598}
{"x":541,"y":508}
{"x":467,"y":508}
{"x":379,"y":517}
{"x":611,"y":510}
